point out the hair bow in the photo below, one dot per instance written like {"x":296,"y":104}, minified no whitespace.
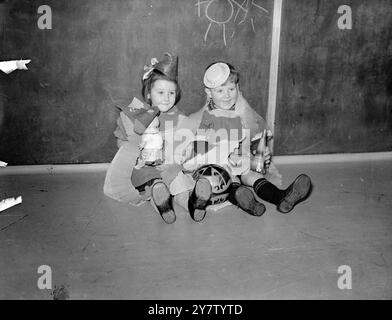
{"x":148,"y":68}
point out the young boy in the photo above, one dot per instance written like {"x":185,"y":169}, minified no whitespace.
{"x":227,"y":109}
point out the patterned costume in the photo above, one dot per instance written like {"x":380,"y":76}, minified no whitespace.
{"x":241,"y":116}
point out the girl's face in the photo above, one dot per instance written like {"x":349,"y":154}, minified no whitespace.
{"x":163,"y":94}
{"x":225,"y":96}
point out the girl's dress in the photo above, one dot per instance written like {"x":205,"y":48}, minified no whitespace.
{"x":118,"y":176}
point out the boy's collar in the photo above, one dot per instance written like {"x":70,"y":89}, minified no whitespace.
{"x":211,"y":106}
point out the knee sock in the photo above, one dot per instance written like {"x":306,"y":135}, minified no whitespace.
{"x":268,"y":191}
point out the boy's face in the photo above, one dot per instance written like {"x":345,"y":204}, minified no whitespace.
{"x":225,"y":96}
{"x":163,"y":94}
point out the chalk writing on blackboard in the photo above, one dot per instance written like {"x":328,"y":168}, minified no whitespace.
{"x":233,"y":12}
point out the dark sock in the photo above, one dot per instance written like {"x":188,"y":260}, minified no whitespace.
{"x":268,"y":191}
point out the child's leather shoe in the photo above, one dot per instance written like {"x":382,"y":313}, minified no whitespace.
{"x":246,"y":200}
{"x":199,"y":199}
{"x":162,"y":199}
{"x":297,"y":192}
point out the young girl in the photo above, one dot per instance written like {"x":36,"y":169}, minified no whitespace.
{"x":227,"y":109}
{"x":159,"y":184}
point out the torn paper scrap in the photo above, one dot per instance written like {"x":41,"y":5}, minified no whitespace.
{"x":136,"y":104}
{"x":3,"y":164}
{"x":10,"y":202}
{"x":9,"y":66}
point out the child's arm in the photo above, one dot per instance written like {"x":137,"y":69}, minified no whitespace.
{"x":255,"y":141}
{"x":261,"y":155}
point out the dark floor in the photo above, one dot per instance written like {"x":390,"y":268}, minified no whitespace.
{"x":102,"y":249}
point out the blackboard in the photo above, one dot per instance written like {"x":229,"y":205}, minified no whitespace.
{"x":335,"y":86}
{"x":62,"y":109}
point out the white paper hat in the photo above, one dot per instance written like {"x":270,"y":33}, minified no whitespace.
{"x":216,"y":75}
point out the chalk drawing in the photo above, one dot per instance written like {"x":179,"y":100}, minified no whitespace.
{"x":232,"y":10}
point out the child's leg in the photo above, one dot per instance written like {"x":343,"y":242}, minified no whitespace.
{"x":180,"y":188}
{"x":192,"y":195}
{"x":285,"y":200}
{"x":182,"y":199}
{"x":196,"y":200}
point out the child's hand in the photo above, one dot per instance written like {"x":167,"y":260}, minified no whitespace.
{"x":139,"y":163}
{"x":267,"y":157}
{"x":179,"y":159}
{"x":235,"y":159}
{"x":188,"y":151}
{"x":186,"y":154}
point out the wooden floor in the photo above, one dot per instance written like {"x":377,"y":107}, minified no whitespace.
{"x":98,"y":248}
